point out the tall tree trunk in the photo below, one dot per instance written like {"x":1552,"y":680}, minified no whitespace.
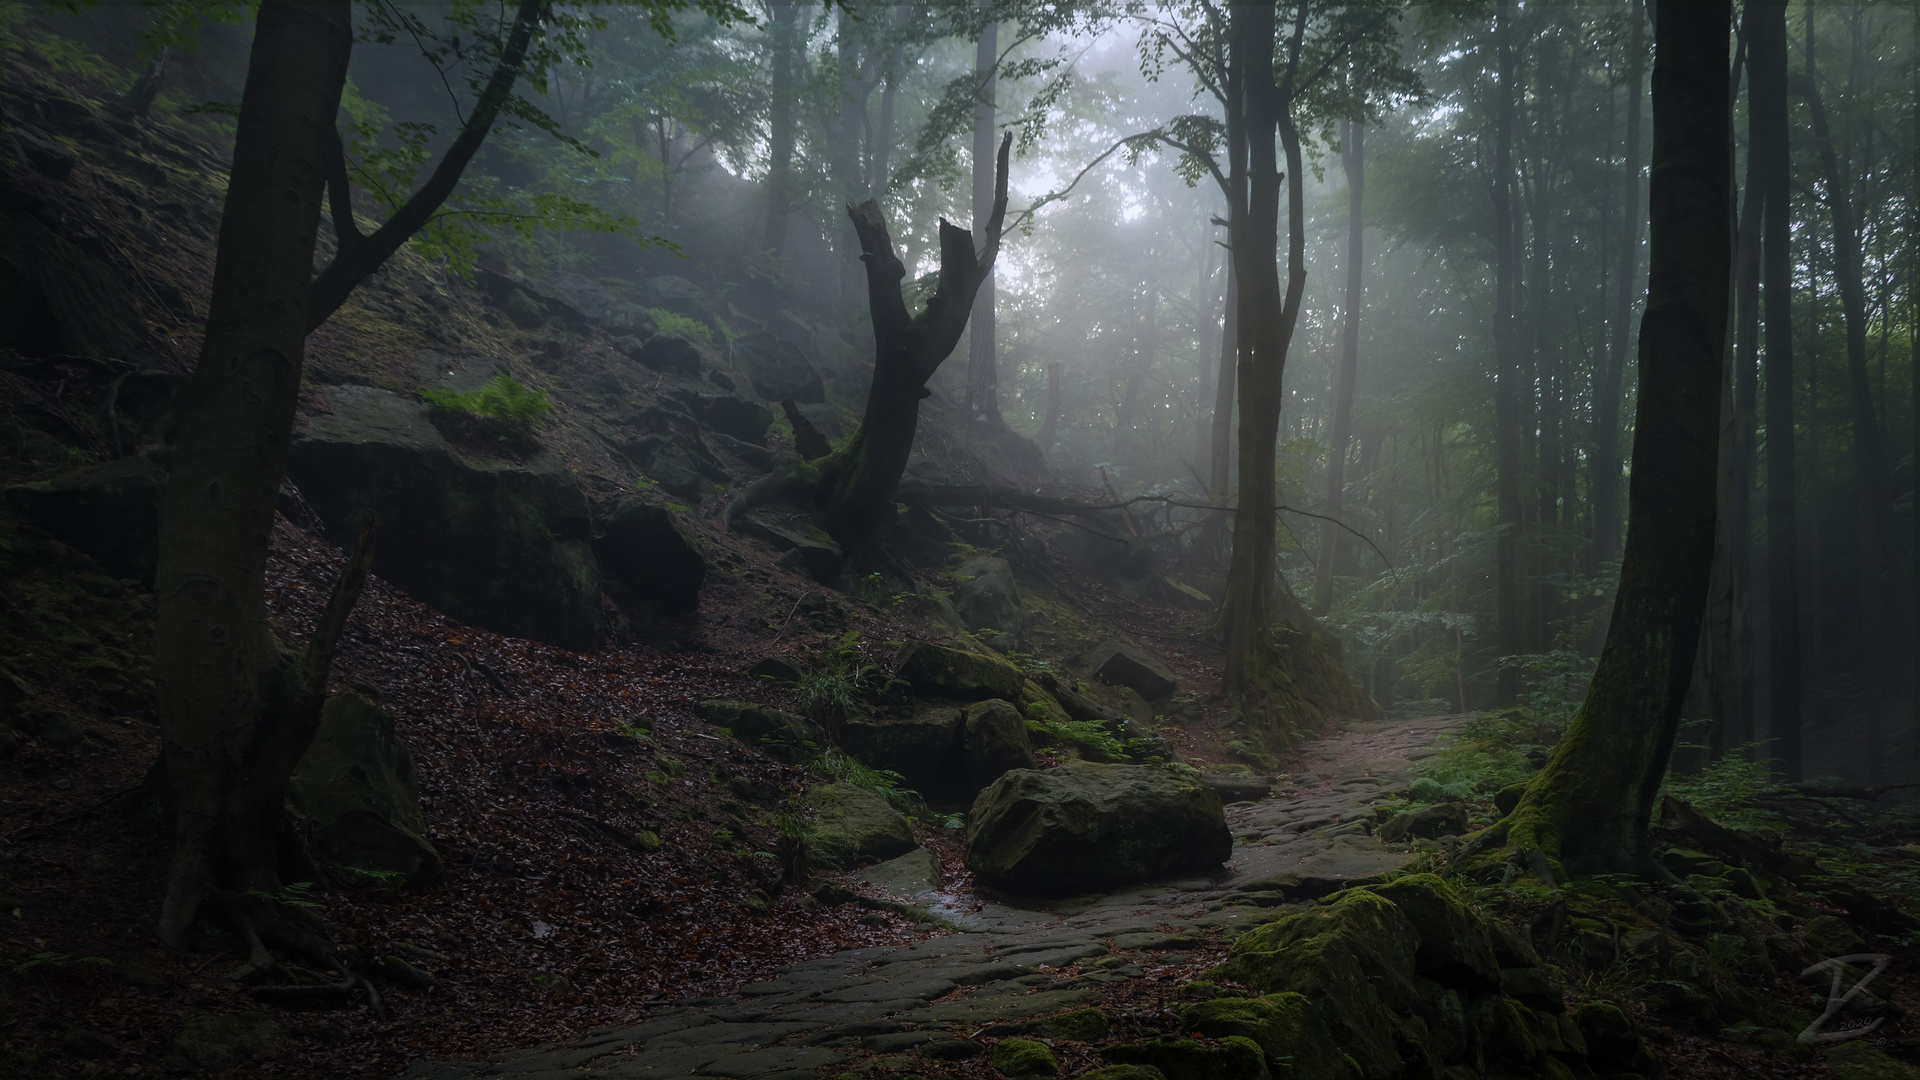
{"x":786,"y":23}
{"x":1220,"y":461}
{"x":983,"y":370}
{"x":1877,"y":574}
{"x":1353,"y":160}
{"x":1736,"y":727}
{"x":1508,"y":626}
{"x":1050,"y":425}
{"x":1606,"y":396}
{"x":854,"y":487}
{"x":1266,"y":318}
{"x":237,"y":707}
{"x":1767,"y":52}
{"x":1590,"y":805}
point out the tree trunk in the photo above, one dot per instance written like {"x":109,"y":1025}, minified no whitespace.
{"x":1591,"y":804}
{"x":1875,"y":568}
{"x":238,"y":708}
{"x":1606,"y":397}
{"x":785,"y":20}
{"x":1353,"y":159}
{"x":1767,"y":52}
{"x":1736,"y":727}
{"x":1266,"y":320}
{"x":1508,"y":625}
{"x":983,"y":373}
{"x":1050,"y":425}
{"x":855,"y":486}
{"x":1220,"y":460}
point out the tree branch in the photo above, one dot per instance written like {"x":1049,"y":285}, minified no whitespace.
{"x":318,"y":656}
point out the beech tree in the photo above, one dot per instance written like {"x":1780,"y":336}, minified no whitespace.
{"x":238,"y":706}
{"x":1589,"y":808}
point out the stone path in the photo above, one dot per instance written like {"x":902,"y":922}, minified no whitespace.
{"x":1009,"y":963}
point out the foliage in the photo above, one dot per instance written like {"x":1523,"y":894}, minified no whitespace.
{"x":1726,"y":788}
{"x":837,"y":767}
{"x":1090,"y":737}
{"x":672,"y":322}
{"x":1490,"y":751}
{"x":503,"y":399}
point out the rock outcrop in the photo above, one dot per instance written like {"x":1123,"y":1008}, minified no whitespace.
{"x":774,"y":730}
{"x":776,"y":368}
{"x":494,"y":543}
{"x":1085,"y":827}
{"x":951,"y":672}
{"x":110,"y":511}
{"x":921,"y":746}
{"x":646,"y":549}
{"x":1116,"y":663}
{"x":358,"y":795}
{"x":994,"y":742}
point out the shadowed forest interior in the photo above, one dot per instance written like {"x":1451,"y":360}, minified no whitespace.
{"x":984,"y":538}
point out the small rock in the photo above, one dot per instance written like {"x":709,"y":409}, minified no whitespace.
{"x":1024,"y":1057}
{"x":781,"y":669}
{"x":357,"y":790}
{"x":1429,"y":822}
{"x":1116,"y":663}
{"x":853,"y":825}
{"x":648,"y":550}
{"x":738,"y":418}
{"x":988,"y":599}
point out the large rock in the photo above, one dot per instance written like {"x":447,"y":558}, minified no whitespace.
{"x":738,"y":418}
{"x":853,"y":825}
{"x":988,"y":599}
{"x":777,"y":368}
{"x":761,"y":725}
{"x":493,"y":543}
{"x":971,"y":676}
{"x":111,"y":512}
{"x":924,"y":746}
{"x":1353,"y":958}
{"x":669,"y":352}
{"x":1286,"y":1026}
{"x":1456,"y":945}
{"x":995,"y":742}
{"x":647,"y":549}
{"x":1118,"y":664}
{"x":1085,"y":827}
{"x":593,"y":302}
{"x":358,"y":794}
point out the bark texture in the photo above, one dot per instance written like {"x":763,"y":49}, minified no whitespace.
{"x":238,"y":708}
{"x":1353,"y":157}
{"x":1606,"y":399}
{"x":983,"y":367}
{"x":1508,"y":603}
{"x":1589,"y":807}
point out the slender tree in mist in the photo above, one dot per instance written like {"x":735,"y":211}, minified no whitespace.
{"x":1773,"y":165}
{"x":789,"y":27}
{"x":983,"y":366}
{"x":1606,"y":393}
{"x":1220,"y":435}
{"x":1508,"y":628}
{"x":1589,"y":807}
{"x":1353,"y":160}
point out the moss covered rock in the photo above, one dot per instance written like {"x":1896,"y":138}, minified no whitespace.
{"x":763,"y":726}
{"x":359,"y":796}
{"x":994,"y":742}
{"x":937,"y":669}
{"x":853,"y":825}
{"x":1456,"y":946}
{"x":1353,"y":958}
{"x":1024,"y":1057}
{"x":1084,"y":827}
{"x":923,"y":746}
{"x":1292,"y":1033}
{"x":1232,"y":1058}
{"x":1122,"y":1072}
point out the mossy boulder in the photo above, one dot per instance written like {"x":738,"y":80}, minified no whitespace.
{"x":1235,"y":1057}
{"x":1353,"y":958}
{"x":1077,"y":1025}
{"x":1429,"y":822}
{"x":1456,"y":946}
{"x":1117,"y":663}
{"x":988,"y":599}
{"x":771,"y":729}
{"x":852,"y":825}
{"x":994,"y":741}
{"x":1024,"y":1057}
{"x":492,"y":542}
{"x":1122,"y":1072}
{"x":358,"y":794}
{"x":949,"y":672}
{"x":923,"y":746}
{"x":1289,"y":1030}
{"x":1084,"y":827}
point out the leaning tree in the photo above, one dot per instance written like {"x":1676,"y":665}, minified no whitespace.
{"x":1589,"y":808}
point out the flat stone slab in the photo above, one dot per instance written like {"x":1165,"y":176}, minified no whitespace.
{"x":984,"y":1008}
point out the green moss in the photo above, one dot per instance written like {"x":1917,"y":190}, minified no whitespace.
{"x":503,"y":399}
{"x":1232,"y":1058}
{"x":1024,"y":1057}
{"x":1080,"y":1025}
{"x":1288,"y":1029}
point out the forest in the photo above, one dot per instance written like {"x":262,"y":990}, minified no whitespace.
{"x":1111,"y":539}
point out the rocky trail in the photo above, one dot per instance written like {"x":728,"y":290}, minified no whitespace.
{"x":1080,"y":970}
